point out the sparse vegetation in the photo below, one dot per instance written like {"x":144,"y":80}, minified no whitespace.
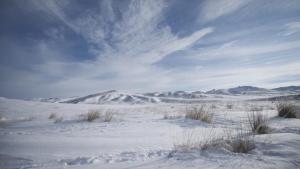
{"x":52,"y":116}
{"x":258,"y":123}
{"x":229,"y":106}
{"x":286,"y":110}
{"x":199,"y":113}
{"x":213,"y":106}
{"x":108,"y":116}
{"x":192,"y":141}
{"x":93,"y":115}
{"x":241,"y":144}
{"x":58,"y":119}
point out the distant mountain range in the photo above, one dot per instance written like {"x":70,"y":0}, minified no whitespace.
{"x":288,"y":89}
{"x":241,"y":90}
{"x":107,"y":97}
{"x":116,"y":97}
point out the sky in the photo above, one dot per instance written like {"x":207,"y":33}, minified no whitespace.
{"x":55,"y":48}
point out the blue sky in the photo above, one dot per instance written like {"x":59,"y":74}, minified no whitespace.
{"x":74,"y":47}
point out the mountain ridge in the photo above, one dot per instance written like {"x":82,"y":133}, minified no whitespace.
{"x":114,"y":96}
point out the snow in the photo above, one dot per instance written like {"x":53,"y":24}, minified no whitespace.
{"x":112,"y":96}
{"x":117,"y":97}
{"x":138,"y":137}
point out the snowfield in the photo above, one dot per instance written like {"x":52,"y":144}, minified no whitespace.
{"x":139,"y":136}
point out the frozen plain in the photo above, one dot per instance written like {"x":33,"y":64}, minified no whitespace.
{"x":138,"y":137}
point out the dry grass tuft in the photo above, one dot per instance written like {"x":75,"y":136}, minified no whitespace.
{"x":58,"y":119}
{"x":108,"y":116}
{"x":52,"y":116}
{"x":55,"y":117}
{"x":199,"y":113}
{"x":229,"y":106}
{"x":242,"y":144}
{"x":93,"y":115}
{"x":258,"y":123}
{"x":286,"y":110}
{"x":198,"y":141}
{"x":213,"y":106}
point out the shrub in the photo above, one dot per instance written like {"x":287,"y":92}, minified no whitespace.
{"x":229,"y":106}
{"x":286,"y":110}
{"x":238,"y":143}
{"x":192,"y":141}
{"x":258,"y":123}
{"x":213,"y":106}
{"x":108,"y":116}
{"x":93,"y":115}
{"x":241,"y":144}
{"x":199,"y":113}
{"x":52,"y":116}
{"x":58,"y":119}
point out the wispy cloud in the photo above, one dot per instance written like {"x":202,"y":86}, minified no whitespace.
{"x":233,"y":49}
{"x":69,"y":47}
{"x":291,"y":28}
{"x":126,"y":46}
{"x":211,"y":10}
{"x":218,"y":77}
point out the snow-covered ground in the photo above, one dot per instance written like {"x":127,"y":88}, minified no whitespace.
{"x":137,"y":137}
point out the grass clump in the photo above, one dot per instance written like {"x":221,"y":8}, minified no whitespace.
{"x":93,"y":115}
{"x":258,"y":123}
{"x":286,"y":110}
{"x":58,"y":119}
{"x":191,"y":140}
{"x":213,"y":106}
{"x":55,"y":118}
{"x":52,"y":116}
{"x":229,"y":106}
{"x":108,"y":116}
{"x":199,"y":113}
{"x":241,"y":144}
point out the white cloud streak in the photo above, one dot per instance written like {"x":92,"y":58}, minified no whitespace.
{"x":128,"y":43}
{"x":291,"y":28}
{"x":232,"y":49}
{"x":126,"y":47}
{"x":213,"y":9}
{"x":217,"y":77}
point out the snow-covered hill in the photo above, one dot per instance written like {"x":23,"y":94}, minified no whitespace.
{"x":288,"y":89}
{"x":113,"y":96}
{"x":116,"y":97}
{"x":178,"y":94}
{"x":244,"y":90}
